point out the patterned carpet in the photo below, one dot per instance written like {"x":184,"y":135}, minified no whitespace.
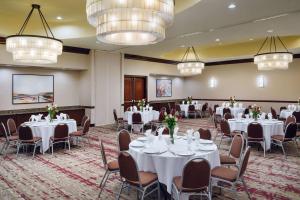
{"x":76,"y":174}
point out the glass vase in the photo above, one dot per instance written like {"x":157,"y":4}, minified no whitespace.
{"x":171,"y":132}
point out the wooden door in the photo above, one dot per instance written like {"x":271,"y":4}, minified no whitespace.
{"x":135,"y":88}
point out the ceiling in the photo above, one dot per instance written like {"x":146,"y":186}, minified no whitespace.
{"x":197,"y":22}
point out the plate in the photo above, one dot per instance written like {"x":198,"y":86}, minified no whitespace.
{"x":137,"y":144}
{"x":155,"y":150}
{"x":207,"y":148}
{"x":202,"y":141}
{"x":184,"y":153}
{"x":142,"y":139}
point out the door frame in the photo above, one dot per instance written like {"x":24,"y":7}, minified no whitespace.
{"x":137,"y":76}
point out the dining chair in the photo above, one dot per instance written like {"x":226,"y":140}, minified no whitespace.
{"x":274,"y":113}
{"x":137,"y":121}
{"x":119,"y":121}
{"x":205,"y":134}
{"x":226,"y":110}
{"x":235,"y":152}
{"x":228,"y":116}
{"x":110,"y":167}
{"x":160,"y":119}
{"x":133,"y":178}
{"x":225,"y":131}
{"x":82,"y":133}
{"x":215,"y":107}
{"x":195,"y":179}
{"x":192,"y":111}
{"x":289,"y":136}
{"x":289,"y":119}
{"x":12,"y":127}
{"x":203,"y":112}
{"x":163,"y":109}
{"x":7,"y":139}
{"x":180,"y":112}
{"x":124,"y":140}
{"x":231,"y":177}
{"x":84,"y":118}
{"x":26,"y":138}
{"x":255,"y":134}
{"x":297,"y":115}
{"x":61,"y":135}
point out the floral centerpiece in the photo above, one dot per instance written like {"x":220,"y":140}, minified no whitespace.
{"x":141,"y":104}
{"x":232,"y":101}
{"x":189,"y":100}
{"x":255,"y":111}
{"x":52,"y":110}
{"x":132,"y":102}
{"x":171,"y":121}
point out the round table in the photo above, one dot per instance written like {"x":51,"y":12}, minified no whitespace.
{"x":286,"y":113}
{"x":167,"y":165}
{"x":45,"y":130}
{"x":147,"y":116}
{"x":270,"y":127}
{"x":234,"y":111}
{"x":185,"y":108}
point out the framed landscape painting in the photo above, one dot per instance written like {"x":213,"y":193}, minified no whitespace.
{"x":163,"y":88}
{"x":30,"y":88}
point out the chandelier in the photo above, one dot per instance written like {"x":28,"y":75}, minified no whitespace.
{"x":130,"y":22}
{"x":188,"y":66}
{"x":273,"y":59}
{"x":34,"y":49}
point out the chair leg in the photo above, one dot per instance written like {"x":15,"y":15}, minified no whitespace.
{"x":158,"y":190}
{"x":246,"y":188}
{"x":118,"y":197}
{"x":103,"y":181}
{"x":295,"y":141}
{"x":220,"y":141}
{"x":143,"y":194}
{"x":52,"y":148}
{"x":281,"y":144}
{"x":69,"y":145}
{"x":34,"y":148}
{"x":264,"y":149}
{"x":3,"y":147}
{"x":18,"y":148}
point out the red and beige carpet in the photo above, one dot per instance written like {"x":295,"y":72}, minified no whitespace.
{"x":76,"y":174}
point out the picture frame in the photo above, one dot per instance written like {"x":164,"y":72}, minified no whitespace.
{"x":163,"y":88}
{"x":32,"y":89}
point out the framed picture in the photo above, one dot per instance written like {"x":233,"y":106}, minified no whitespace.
{"x":31,"y":88}
{"x":163,"y":88}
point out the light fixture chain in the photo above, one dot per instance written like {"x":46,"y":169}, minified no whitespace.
{"x":43,"y":18}
{"x":196,"y":55}
{"x":43,"y":22}
{"x":263,"y":44}
{"x":26,"y":22}
{"x":282,"y":43}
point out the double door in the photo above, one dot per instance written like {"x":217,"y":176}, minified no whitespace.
{"x":135,"y":88}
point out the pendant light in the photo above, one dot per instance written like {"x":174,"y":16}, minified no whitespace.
{"x":35,"y":49}
{"x":273,"y":59}
{"x":190,"y":63}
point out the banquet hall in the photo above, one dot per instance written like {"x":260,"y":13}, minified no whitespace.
{"x":149,"y":99}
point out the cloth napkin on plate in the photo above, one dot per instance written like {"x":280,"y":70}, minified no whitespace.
{"x":269,"y":116}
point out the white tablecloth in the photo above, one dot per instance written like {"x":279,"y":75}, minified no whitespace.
{"x":270,"y":127}
{"x":185,"y":108}
{"x":168,"y":165}
{"x":147,"y":116}
{"x":234,"y":111}
{"x":45,"y":130}
{"x":285,"y":113}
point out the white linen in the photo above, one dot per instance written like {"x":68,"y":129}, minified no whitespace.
{"x":147,"y":116}
{"x":45,"y":130}
{"x":234,"y":111}
{"x":185,"y":108}
{"x":270,"y":127}
{"x":167,"y":165}
{"x":285,"y":113}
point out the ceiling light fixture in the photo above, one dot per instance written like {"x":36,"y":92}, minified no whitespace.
{"x":35,"y":49}
{"x":59,"y":18}
{"x":273,"y":59}
{"x":218,"y":40}
{"x":232,"y":6}
{"x":130,"y":22}
{"x":190,"y":63}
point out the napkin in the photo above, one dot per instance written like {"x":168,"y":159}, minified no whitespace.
{"x":150,"y":108}
{"x":197,"y":135}
{"x":176,"y":129}
{"x":130,"y":108}
{"x":134,"y":108}
{"x":269,"y":116}
{"x":148,"y":132}
{"x":240,"y":105}
{"x":33,"y":118}
{"x":263,"y":116}
{"x":160,"y":131}
{"x":240,"y":115}
{"x":223,"y":104}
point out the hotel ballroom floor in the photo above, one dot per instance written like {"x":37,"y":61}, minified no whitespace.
{"x":76,"y":174}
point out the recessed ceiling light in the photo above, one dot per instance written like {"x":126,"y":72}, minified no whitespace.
{"x":218,"y":40}
{"x":232,"y":6}
{"x":270,"y":31}
{"x":182,"y":46}
{"x":211,"y":30}
{"x":59,"y":17}
{"x":251,"y":39}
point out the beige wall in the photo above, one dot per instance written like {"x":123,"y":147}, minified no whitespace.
{"x":162,"y":71}
{"x":240,"y":80}
{"x":66,"y":85}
